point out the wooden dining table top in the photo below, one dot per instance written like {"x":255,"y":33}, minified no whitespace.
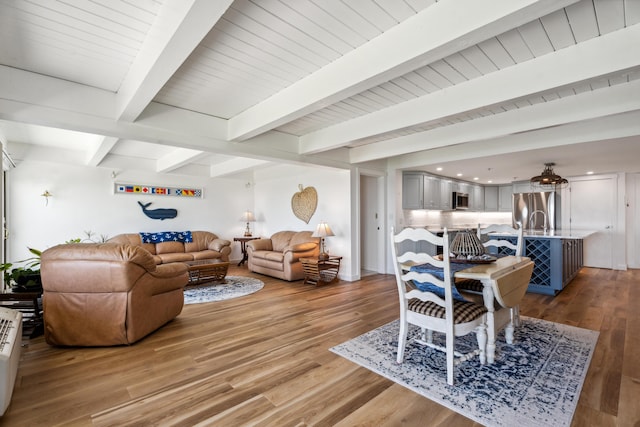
{"x":493,"y":269}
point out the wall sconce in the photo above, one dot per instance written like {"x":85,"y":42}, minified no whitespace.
{"x":323,"y":230}
{"x":247,"y":217}
{"x":46,"y":196}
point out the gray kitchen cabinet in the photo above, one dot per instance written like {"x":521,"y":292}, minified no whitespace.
{"x":476,"y":198}
{"x":491,"y":198}
{"x":462,"y":187}
{"x":431,"y":192}
{"x":505,"y":198}
{"x":412,"y":190}
{"x":446,"y":194}
{"x":423,"y":191}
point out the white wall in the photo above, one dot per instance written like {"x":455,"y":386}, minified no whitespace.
{"x":83,"y":200}
{"x":275,"y":186}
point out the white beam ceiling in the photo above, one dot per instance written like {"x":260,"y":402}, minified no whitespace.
{"x":442,"y":30}
{"x":179,"y":27}
{"x":584,"y":106}
{"x":598,"y":57}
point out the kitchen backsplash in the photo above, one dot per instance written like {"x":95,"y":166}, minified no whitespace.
{"x":453,"y":219}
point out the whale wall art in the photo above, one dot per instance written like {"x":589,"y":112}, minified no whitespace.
{"x":161,"y":213}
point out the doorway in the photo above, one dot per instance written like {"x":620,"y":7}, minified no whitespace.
{"x":371,"y":225}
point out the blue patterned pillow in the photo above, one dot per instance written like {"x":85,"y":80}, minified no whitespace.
{"x":167,"y":236}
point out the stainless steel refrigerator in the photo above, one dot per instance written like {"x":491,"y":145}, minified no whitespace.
{"x":536,"y":210}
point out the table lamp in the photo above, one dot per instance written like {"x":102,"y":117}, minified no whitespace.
{"x":247,"y":217}
{"x":323,"y":230}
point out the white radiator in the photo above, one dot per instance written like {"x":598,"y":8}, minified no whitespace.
{"x":10,"y":344}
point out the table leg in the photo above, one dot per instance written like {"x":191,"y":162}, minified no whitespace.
{"x":487,"y":295}
{"x":243,"y":248}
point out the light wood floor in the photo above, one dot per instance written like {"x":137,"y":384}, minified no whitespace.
{"x":263,"y":360}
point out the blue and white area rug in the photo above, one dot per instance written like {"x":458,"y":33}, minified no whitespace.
{"x":534,"y":382}
{"x":234,"y":286}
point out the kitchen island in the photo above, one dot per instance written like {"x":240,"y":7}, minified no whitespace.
{"x":557,"y":255}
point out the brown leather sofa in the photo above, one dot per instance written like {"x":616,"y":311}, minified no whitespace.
{"x":205,"y":245}
{"x":103,"y":294}
{"x":279,"y":256}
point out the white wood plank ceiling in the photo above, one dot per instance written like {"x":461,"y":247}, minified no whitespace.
{"x":332,"y":82}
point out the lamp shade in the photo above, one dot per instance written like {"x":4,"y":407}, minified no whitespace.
{"x":248,"y":216}
{"x":323,"y":230}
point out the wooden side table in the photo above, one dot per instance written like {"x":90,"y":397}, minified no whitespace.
{"x":318,"y":271}
{"x":243,"y":247}
{"x":30,"y":304}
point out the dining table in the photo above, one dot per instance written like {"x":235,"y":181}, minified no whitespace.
{"x":501,"y":282}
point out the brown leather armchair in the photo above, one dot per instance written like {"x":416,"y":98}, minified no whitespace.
{"x":107,"y":294}
{"x":279,"y":256}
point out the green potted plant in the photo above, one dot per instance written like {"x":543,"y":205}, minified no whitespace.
{"x":25,"y":277}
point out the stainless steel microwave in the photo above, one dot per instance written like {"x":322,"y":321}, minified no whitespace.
{"x":460,"y":200}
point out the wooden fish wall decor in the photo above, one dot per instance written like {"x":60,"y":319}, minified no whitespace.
{"x":160,"y":214}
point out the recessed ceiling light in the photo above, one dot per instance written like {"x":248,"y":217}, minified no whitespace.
{"x":590,"y":173}
{"x":475,"y":178}
{"x":489,"y":181}
{"x":438,"y":168}
{"x":458,"y":174}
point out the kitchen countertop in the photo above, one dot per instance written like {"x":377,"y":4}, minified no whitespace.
{"x":553,"y":234}
{"x":557,"y":234}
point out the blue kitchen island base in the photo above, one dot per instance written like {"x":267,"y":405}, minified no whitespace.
{"x":557,"y":259}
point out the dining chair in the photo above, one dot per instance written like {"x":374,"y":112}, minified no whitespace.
{"x":434,"y":311}
{"x":490,"y":238}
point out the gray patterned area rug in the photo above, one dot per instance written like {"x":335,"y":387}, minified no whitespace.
{"x":234,"y":286}
{"x":534,"y":382}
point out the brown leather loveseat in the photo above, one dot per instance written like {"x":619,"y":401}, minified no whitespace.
{"x":103,"y":294}
{"x":171,"y":246}
{"x":279,"y":256}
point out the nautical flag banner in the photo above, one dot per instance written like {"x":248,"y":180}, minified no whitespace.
{"x":138,"y":189}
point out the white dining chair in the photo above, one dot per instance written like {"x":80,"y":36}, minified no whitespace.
{"x":435,"y":311}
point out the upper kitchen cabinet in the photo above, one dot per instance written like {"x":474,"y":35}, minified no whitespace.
{"x":491,"y":198}
{"x":446,"y":194}
{"x":521,"y":187}
{"x":476,"y":198}
{"x":505,"y":198}
{"x":412,"y":190}
{"x":423,"y":191}
{"x":432,"y":193}
{"x":461,"y":187}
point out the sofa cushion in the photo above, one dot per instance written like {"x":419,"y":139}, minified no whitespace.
{"x":175,"y":257}
{"x":302,"y":237}
{"x":281,"y":239}
{"x":169,"y":247}
{"x":200,"y":241}
{"x":206,"y":254}
{"x":268,"y":260}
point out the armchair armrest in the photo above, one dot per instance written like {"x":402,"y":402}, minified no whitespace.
{"x":302,"y":250}
{"x":259,"y":245}
{"x":301,"y":247}
{"x":171,"y":276}
{"x":219,"y":244}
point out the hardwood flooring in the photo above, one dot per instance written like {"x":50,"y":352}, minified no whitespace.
{"x":263,"y":360}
